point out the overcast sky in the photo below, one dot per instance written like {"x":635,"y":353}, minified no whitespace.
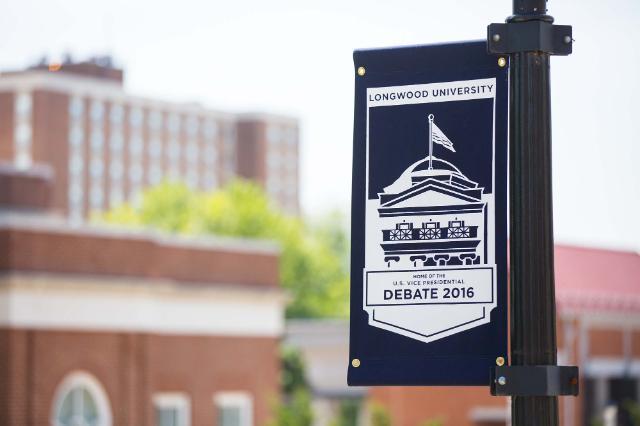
{"x":294,"y":57}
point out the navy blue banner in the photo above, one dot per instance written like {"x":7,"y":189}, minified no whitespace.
{"x":429,"y":216}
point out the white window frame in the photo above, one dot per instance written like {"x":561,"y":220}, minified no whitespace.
{"x":178,"y":400}
{"x":95,"y":388}
{"x":240,"y":399}
{"x":23,"y":131}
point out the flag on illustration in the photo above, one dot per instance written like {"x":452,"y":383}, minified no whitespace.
{"x":440,"y":138}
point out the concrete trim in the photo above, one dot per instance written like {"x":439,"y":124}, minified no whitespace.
{"x":50,"y":301}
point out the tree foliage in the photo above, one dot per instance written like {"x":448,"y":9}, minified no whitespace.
{"x":313,"y":262}
{"x":294,"y":409}
{"x":379,"y":415}
{"x":348,"y":412}
{"x":293,"y":371}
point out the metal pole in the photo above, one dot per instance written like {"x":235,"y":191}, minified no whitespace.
{"x":533,"y":315}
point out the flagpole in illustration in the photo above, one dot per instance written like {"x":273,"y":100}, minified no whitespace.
{"x":430,"y":141}
{"x":440,"y":138}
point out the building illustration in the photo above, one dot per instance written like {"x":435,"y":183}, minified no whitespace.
{"x":431,"y":271}
{"x":433,"y":215}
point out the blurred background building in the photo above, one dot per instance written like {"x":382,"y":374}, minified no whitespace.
{"x":105,"y":146}
{"x":111,"y":326}
{"x":104,"y":327}
{"x":598,"y":301}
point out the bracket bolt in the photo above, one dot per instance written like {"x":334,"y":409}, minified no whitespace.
{"x":500,"y":361}
{"x":502,"y":62}
{"x":496,"y":38}
{"x":361,"y":71}
{"x":355,"y":362}
{"x":567,"y":39}
{"x":502,"y":380}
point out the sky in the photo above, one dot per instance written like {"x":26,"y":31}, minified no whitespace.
{"x":294,"y":57}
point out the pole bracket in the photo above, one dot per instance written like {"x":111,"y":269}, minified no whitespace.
{"x":529,"y":36}
{"x":534,"y":380}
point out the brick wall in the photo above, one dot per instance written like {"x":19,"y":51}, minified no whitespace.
{"x":25,"y":189}
{"x":251,"y":151}
{"x":6,"y":126}
{"x":68,"y":252}
{"x":132,"y":367}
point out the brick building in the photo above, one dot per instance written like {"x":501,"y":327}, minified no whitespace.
{"x":105,"y":145}
{"x":598,"y":313}
{"x":103,"y":327}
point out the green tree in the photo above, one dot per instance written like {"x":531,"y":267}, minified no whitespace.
{"x":347,"y":413}
{"x":380,"y":416}
{"x":293,"y":371}
{"x":295,"y":411}
{"x":633,"y":411}
{"x":314,"y":257}
{"x":295,"y":407}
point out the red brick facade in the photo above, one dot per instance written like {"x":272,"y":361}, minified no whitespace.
{"x":69,"y":120}
{"x":132,"y":367}
{"x":25,"y":190}
{"x":142,"y":314}
{"x":34,"y":250}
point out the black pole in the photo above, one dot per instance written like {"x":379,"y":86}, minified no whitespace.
{"x":533,"y":314}
{"x":533,"y":379}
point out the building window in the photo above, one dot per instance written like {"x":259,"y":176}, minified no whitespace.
{"x":22,"y":136}
{"x":234,"y":408}
{"x":192,"y":126}
{"x":116,"y":156}
{"x":76,"y":134}
{"x":155,"y":120}
{"x":76,"y":159}
{"x":135,"y":171}
{"x":97,"y":138}
{"x":96,"y":162}
{"x":229,"y":141}
{"x":172,"y":409}
{"x":155,"y":148}
{"x":97,"y":110}
{"x":210,"y":129}
{"x":76,"y":107}
{"x":292,"y":137}
{"x":135,"y":117}
{"x":155,"y":175}
{"x":274,"y":134}
{"x":117,"y":114}
{"x":209,"y":153}
{"x":80,"y":400}
{"x":173,"y":124}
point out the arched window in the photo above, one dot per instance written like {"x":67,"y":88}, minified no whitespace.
{"x":80,"y":400}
